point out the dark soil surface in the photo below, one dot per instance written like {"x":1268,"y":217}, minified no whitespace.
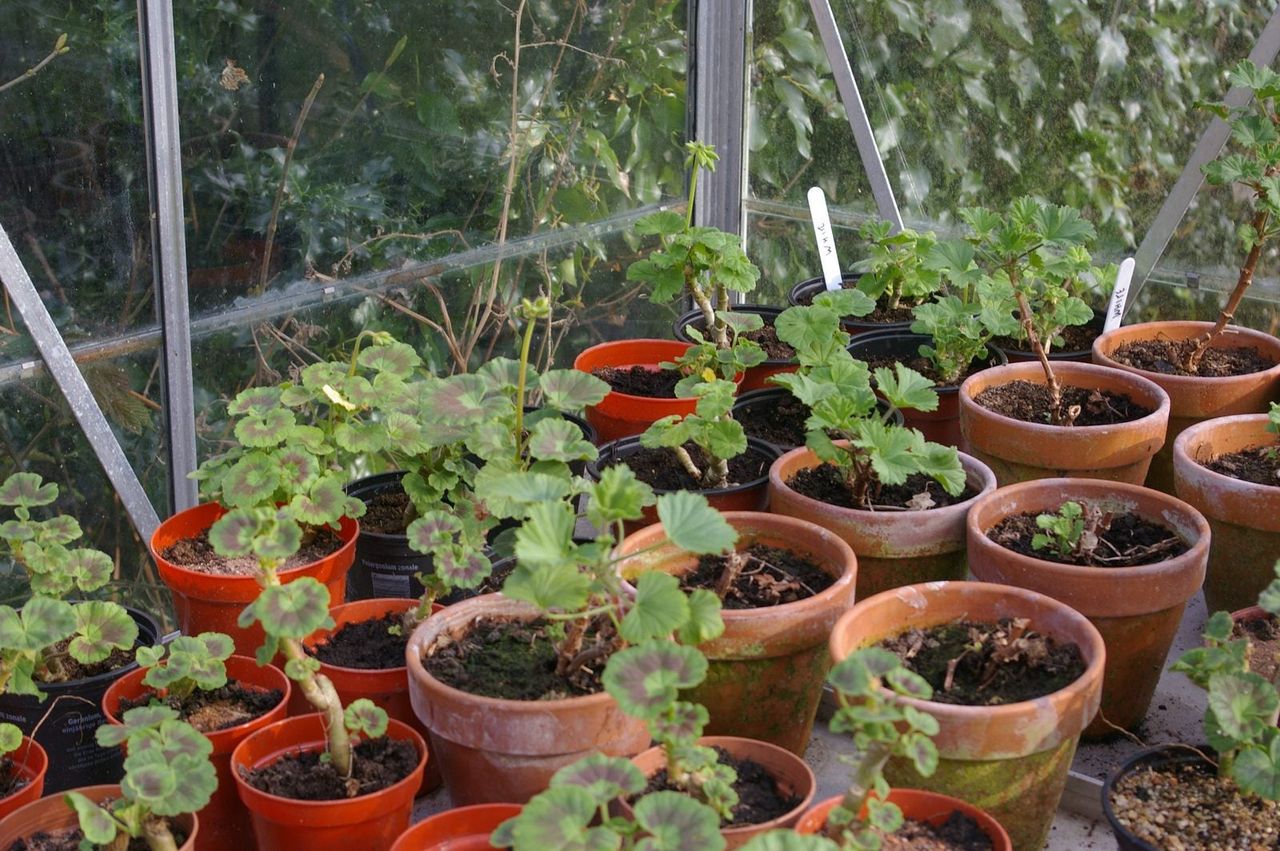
{"x":925,"y":367}
{"x":514,"y":660}
{"x":370,"y":645}
{"x":197,"y":554}
{"x":759,"y":798}
{"x":957,"y":833}
{"x":1259,"y":465}
{"x":1123,"y":540}
{"x":1166,"y":356}
{"x":386,"y":512}
{"x":640,"y":380}
{"x":378,"y":763}
{"x":217,"y":709}
{"x":1028,"y":402}
{"x":825,"y":483}
{"x":10,"y":780}
{"x":769,"y":576}
{"x":69,"y":840}
{"x":1191,"y":808}
{"x":765,"y":337}
{"x":1264,"y":645}
{"x":781,"y":424}
{"x":73,"y":670}
{"x":882,"y":315}
{"x":1075,"y":338}
{"x":1011,"y":663}
{"x":660,"y":469}
{"x":490,"y":585}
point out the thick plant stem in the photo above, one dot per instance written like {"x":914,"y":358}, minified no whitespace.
{"x":1228,"y":313}
{"x":862,"y":783}
{"x":525,"y":345}
{"x":320,"y":693}
{"x":733,"y":565}
{"x":1051,"y":380}
{"x":158,"y":836}
{"x":686,"y":461}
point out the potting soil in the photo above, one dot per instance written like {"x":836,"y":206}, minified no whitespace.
{"x":1259,"y":465}
{"x":770,"y":576}
{"x":759,"y":797}
{"x":1128,"y":540}
{"x":196,"y":553}
{"x":69,"y":840}
{"x":826,"y":483}
{"x":215,"y":709}
{"x":957,"y":833}
{"x":375,"y":644}
{"x":11,"y":780}
{"x":659,"y":468}
{"x":1167,"y":356}
{"x":378,"y":763}
{"x":1029,"y":402}
{"x":639,"y":381}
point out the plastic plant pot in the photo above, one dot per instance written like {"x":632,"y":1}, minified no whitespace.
{"x":919,"y":805}
{"x":30,"y":764}
{"x":622,"y":414}
{"x":52,"y":814}
{"x":803,"y":293}
{"x":459,"y":829}
{"x":757,"y":376}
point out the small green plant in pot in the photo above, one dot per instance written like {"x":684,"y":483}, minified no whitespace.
{"x":896,"y":268}
{"x":167,"y":774}
{"x":711,"y":428}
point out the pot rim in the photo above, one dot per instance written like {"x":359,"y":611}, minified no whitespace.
{"x":754,"y":444}
{"x":96,"y":793}
{"x":1170,"y":751}
{"x":669,"y":346}
{"x":141,"y":617}
{"x":1221,"y":495}
{"x":1255,"y":339}
{"x":986,"y":822}
{"x":766,"y":311}
{"x":994,"y":353}
{"x":391,"y":604}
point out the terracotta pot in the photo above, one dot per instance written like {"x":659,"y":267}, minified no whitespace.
{"x":766,"y":671}
{"x":941,"y":425}
{"x":1244,"y":517}
{"x":225,"y":820}
{"x":757,"y":376}
{"x":1011,"y":760}
{"x":368,"y":822}
{"x":747,"y":496}
{"x":1164,"y":756}
{"x":209,"y":603}
{"x":803,"y":293}
{"x":793,"y":777}
{"x":1191,"y":399}
{"x":928,"y":807}
{"x":1081,"y":355}
{"x":768,"y":399}
{"x":621,"y":414}
{"x":493,"y":750}
{"x":53,"y":813}
{"x":459,"y":829}
{"x":30,"y":763}
{"x":1136,"y":609}
{"x":894,"y":548}
{"x":1017,"y":451}
{"x":64,"y":722}
{"x":387,"y":687}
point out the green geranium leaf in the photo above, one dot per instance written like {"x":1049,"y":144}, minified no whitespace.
{"x":394,"y":358}
{"x":558,"y":819}
{"x":704,"y":622}
{"x":257,"y":401}
{"x":645,"y":680}
{"x":619,"y":495}
{"x":572,"y":390}
{"x":11,"y":740}
{"x":693,"y":525}
{"x":293,"y":611}
{"x":603,"y":777}
{"x":787,"y":840}
{"x":546,"y":537}
{"x":906,"y":388}
{"x":659,"y":609}
{"x":558,"y":586}
{"x":676,"y":822}
{"x":265,"y":430}
{"x":559,"y":440}
{"x":1257,"y":770}
{"x":27,"y":490}
{"x":365,"y":717}
{"x":101,"y":627}
{"x":96,"y":823}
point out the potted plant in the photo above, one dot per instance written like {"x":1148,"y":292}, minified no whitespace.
{"x":1214,"y":369}
{"x":224,"y":697}
{"x":781,"y":590}
{"x":1035,"y":420}
{"x":1010,"y":759}
{"x":708,"y":264}
{"x":777,"y":417}
{"x":53,"y":648}
{"x":23,"y":764}
{"x":1126,"y":557}
{"x":1224,"y":467}
{"x":1234,"y":781}
{"x":563,"y":610}
{"x":896,"y":499}
{"x":867,"y":683}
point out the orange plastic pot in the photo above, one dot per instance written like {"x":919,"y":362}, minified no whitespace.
{"x":928,"y":807}
{"x":766,"y":670}
{"x":54,"y":814}
{"x":369,"y":822}
{"x":1018,"y":451}
{"x":1244,"y":517}
{"x":894,"y":548}
{"x":1192,"y":399}
{"x":30,"y":762}
{"x":752,"y":495}
{"x":225,"y":819}
{"x":210,"y":603}
{"x":621,"y":414}
{"x":494,"y":750}
{"x":459,"y":829}
{"x":791,"y":773}
{"x":1136,"y":609}
{"x":1011,"y":760}
{"x":386,"y":687}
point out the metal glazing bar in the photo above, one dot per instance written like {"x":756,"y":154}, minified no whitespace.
{"x":719,"y":86}
{"x":1188,"y":184}
{"x":851,"y":97}
{"x":164,"y":159}
{"x":75,"y":389}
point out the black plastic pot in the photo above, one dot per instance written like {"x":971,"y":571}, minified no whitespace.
{"x":756,"y":377}
{"x":803,"y":293}
{"x":770,"y":398}
{"x":65,"y":721}
{"x":1084,"y":355}
{"x":1165,"y":756}
{"x":942,"y":425}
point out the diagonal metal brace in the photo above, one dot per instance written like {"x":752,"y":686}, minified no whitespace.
{"x":57,"y":358}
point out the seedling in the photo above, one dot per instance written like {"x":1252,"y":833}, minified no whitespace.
{"x":895,"y":269}
{"x":837,"y":390}
{"x":193,"y":662}
{"x":1240,"y":719}
{"x":1074,"y":530}
{"x":882,"y":727}
{"x":1254,"y":161}
{"x":167,"y":774}
{"x":710,"y":427}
